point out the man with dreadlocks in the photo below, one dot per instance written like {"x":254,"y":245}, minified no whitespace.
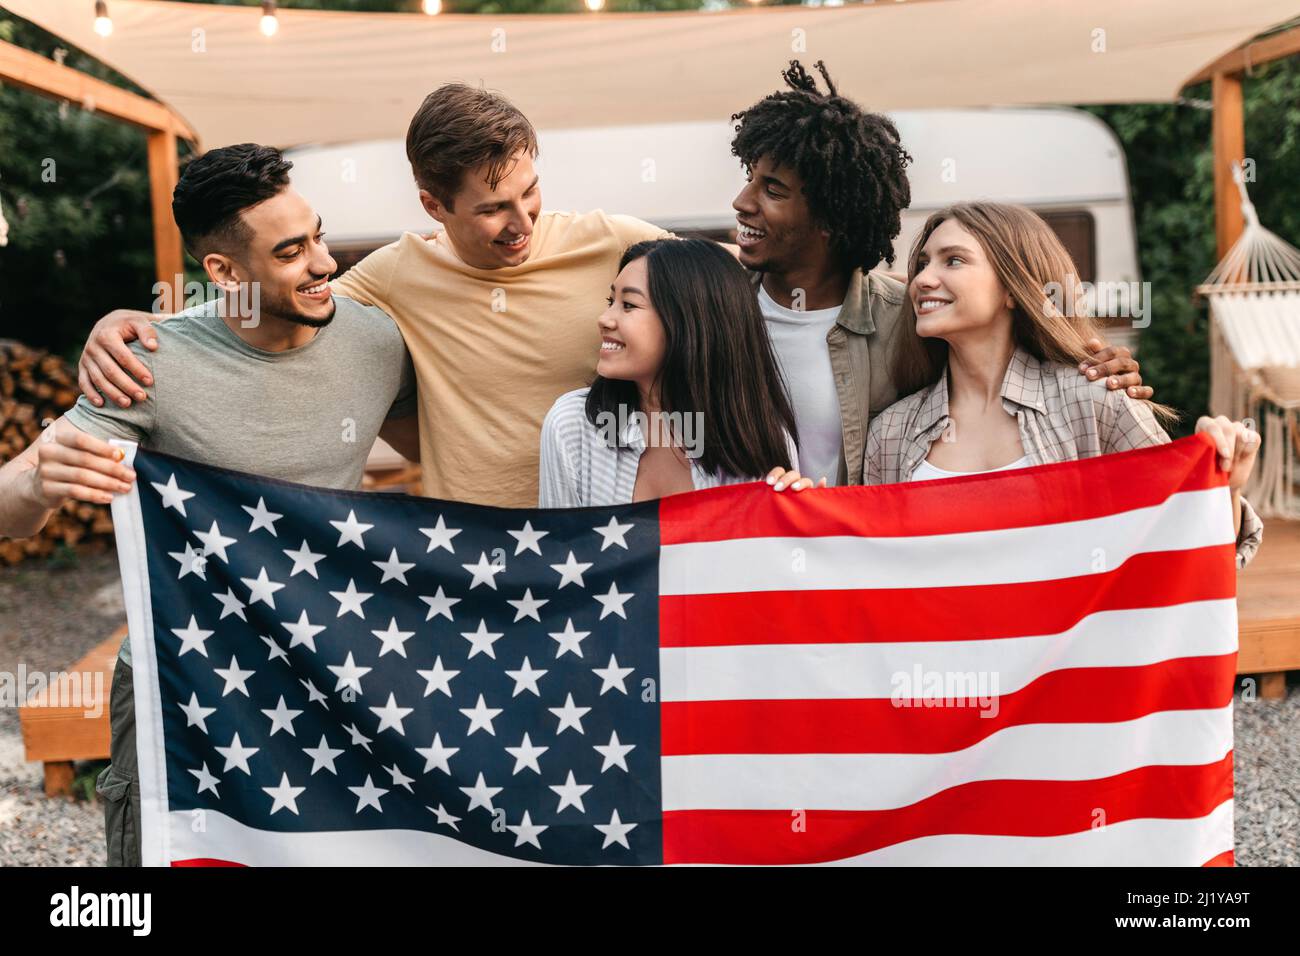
{"x":827,"y":187}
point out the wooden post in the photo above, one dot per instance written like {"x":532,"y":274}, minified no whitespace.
{"x":169,"y":257}
{"x":1229,"y":134}
{"x":30,"y":71}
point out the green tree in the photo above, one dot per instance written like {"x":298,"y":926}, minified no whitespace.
{"x":1171,"y":173}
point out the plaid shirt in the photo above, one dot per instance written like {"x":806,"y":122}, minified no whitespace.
{"x":1062,"y":417}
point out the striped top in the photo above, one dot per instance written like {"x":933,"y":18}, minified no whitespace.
{"x":582,"y":466}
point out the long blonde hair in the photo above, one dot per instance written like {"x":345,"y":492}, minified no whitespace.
{"x":1049,"y":319}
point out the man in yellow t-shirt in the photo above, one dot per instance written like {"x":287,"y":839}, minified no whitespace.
{"x":498,"y":309}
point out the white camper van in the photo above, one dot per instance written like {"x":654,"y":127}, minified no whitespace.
{"x":1064,"y":163}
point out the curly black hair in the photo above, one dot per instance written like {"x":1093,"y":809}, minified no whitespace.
{"x":851,"y":162}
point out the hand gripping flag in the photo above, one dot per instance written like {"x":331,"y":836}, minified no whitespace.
{"x":1027,"y":667}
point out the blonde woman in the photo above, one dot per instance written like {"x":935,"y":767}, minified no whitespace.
{"x":995,"y":333}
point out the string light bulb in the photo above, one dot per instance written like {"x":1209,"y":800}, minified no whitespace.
{"x":431,"y":7}
{"x":594,"y":5}
{"x":103,"y":22}
{"x":269,"y":23}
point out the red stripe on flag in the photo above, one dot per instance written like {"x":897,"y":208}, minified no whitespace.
{"x":1046,"y":494}
{"x":1223,"y":859}
{"x":1030,"y":808}
{"x":205,"y":861}
{"x":972,"y":612}
{"x":878,"y":725}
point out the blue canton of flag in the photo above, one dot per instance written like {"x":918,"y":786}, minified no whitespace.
{"x":478,"y":684}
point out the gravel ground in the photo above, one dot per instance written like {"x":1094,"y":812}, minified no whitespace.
{"x":49,"y":618}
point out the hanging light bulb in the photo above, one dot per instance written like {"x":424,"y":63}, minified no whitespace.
{"x":103,"y":22}
{"x":269,"y":23}
{"x":594,"y":5}
{"x":431,"y":7}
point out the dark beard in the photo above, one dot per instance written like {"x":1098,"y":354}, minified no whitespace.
{"x":290,"y":315}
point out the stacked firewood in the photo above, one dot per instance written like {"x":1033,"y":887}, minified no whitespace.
{"x":35,"y":388}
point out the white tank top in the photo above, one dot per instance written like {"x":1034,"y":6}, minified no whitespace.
{"x":927,"y":472}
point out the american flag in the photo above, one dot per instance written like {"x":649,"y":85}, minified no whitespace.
{"x":1029,"y":667}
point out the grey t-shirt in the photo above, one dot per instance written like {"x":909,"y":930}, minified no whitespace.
{"x":308,"y":415}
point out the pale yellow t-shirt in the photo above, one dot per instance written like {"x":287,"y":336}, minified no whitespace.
{"x":494,"y":348}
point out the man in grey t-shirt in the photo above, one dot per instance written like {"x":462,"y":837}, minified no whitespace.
{"x":230,"y":389}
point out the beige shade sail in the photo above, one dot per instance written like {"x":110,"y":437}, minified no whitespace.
{"x":328,"y":77}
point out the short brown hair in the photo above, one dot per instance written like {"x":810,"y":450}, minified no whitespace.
{"x":459,"y":127}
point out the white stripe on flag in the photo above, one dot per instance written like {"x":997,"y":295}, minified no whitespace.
{"x":1189,"y":519}
{"x":224,"y":838}
{"x":1128,"y":638}
{"x":1144,"y":842}
{"x":886,"y":781}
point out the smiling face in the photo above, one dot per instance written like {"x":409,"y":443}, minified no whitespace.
{"x":632,"y":340}
{"x":491,"y":228}
{"x":775,"y":227}
{"x":288,"y":257}
{"x":954,"y":288}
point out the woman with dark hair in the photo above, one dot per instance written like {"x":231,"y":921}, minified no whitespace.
{"x":687,"y":392}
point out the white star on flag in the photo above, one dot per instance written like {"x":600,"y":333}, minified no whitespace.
{"x":285,"y":796}
{"x":262,"y":518}
{"x":192,"y":638}
{"x":206,"y":780}
{"x":439,"y":604}
{"x":571,"y":571}
{"x":392,"y":639}
{"x":615,"y":831}
{"x":322,"y":756}
{"x":525,"y":679}
{"x":230,"y":605}
{"x":393,"y":568}
{"x":612,"y":676}
{"x":439,"y":679}
{"x":527,"y":539}
{"x":484,"y":572}
{"x":348,"y":674}
{"x":569,"y":715}
{"x":481,"y":717}
{"x":236,"y":679}
{"x":570,"y":793}
{"x":195,"y":714}
{"x":570,"y":641}
{"x":526,"y":756}
{"x":391,"y":716}
{"x":350,"y":600}
{"x":480,"y":795}
{"x":527,"y":606}
{"x":351,"y":530}
{"x":262,"y":588}
{"x":440,"y":536}
{"x":614,"y":753}
{"x":526,"y":831}
{"x":214,"y":542}
{"x":436,"y":755}
{"x":281,"y":718}
{"x":304,"y":631}
{"x":191,"y":562}
{"x":304,"y":559}
{"x":481,"y":641}
{"x":613,"y":533}
{"x":237,"y":755}
{"x":368,"y":795}
{"x":172,"y":496}
{"x":612,"y":602}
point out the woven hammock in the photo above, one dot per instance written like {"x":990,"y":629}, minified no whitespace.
{"x":1254,"y":296}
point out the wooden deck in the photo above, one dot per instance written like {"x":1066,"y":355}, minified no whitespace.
{"x":1268,"y":608}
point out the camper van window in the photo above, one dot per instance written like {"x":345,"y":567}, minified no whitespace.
{"x":1076,"y":231}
